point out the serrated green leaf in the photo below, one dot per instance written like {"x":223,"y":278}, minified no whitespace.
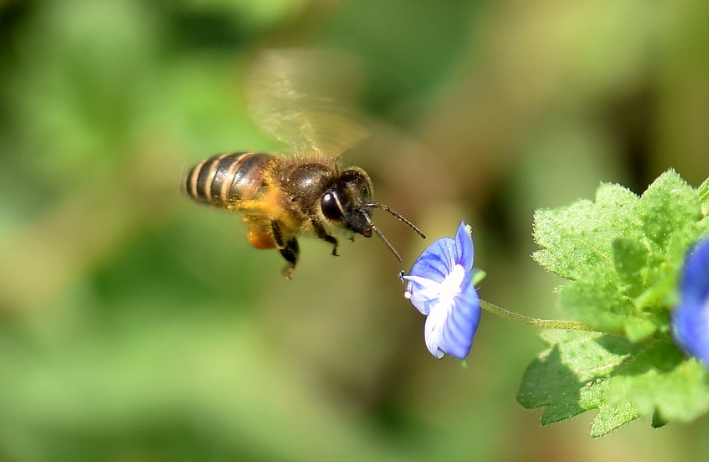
{"x":622,"y":252}
{"x":582,"y":371}
{"x":549,"y":383}
{"x":609,"y":299}
{"x":580,"y":235}
{"x":571,"y":377}
{"x":596,"y":300}
{"x":683,"y":238}
{"x":623,"y":255}
{"x":703,"y":191}
{"x":668,"y":205}
{"x":637,"y":270}
{"x":630,"y":258}
{"x":662,"y":383}
{"x":611,"y":417}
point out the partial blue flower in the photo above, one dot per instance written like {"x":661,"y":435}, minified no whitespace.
{"x":690,"y":319}
{"x":440,"y":287}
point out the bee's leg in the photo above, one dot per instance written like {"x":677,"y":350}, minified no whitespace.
{"x":290,"y":253}
{"x":289,"y":250}
{"x":325,"y":236}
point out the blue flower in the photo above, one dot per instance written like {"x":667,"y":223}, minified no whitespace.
{"x":440,"y":287}
{"x":690,"y":319}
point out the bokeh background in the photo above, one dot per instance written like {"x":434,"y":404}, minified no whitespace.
{"x":138,"y":326}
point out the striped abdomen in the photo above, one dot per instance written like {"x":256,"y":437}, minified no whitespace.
{"x":225,"y":179}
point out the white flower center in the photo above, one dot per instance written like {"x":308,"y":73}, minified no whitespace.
{"x":450,"y":287}
{"x":445,"y":290}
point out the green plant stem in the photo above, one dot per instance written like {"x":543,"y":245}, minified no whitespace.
{"x":536,"y":322}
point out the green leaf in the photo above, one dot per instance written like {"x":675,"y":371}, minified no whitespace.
{"x":580,"y":235}
{"x":611,"y":417}
{"x":630,"y":258}
{"x":572,"y":377}
{"x":662,"y":382}
{"x":622,"y":255}
{"x":703,"y":191}
{"x":582,"y":371}
{"x":668,"y":205}
{"x":581,"y":300}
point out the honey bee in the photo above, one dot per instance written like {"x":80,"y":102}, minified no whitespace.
{"x":309,"y":191}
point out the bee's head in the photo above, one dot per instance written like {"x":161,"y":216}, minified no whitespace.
{"x":348,"y":204}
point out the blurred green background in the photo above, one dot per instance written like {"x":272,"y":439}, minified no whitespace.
{"x":138,"y":326}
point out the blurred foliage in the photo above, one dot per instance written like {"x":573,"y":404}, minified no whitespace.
{"x":135,"y":325}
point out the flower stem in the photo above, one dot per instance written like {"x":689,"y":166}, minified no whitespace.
{"x":536,"y":322}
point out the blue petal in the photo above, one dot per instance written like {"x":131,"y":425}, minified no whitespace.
{"x":456,"y":336}
{"x":437,"y":261}
{"x":465,"y":251}
{"x":695,"y":283}
{"x":690,"y":319}
{"x":434,"y":264}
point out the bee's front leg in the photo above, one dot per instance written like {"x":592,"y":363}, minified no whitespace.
{"x":332,"y":240}
{"x":325,"y":236}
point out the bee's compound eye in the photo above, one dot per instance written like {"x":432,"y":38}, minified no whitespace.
{"x":331,"y":207}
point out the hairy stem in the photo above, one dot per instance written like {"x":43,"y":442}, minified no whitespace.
{"x":536,"y":322}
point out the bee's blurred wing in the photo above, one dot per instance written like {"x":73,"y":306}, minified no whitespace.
{"x":304,"y":98}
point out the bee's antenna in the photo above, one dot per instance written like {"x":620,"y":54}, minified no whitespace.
{"x":381,"y":236}
{"x":374,"y":205}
